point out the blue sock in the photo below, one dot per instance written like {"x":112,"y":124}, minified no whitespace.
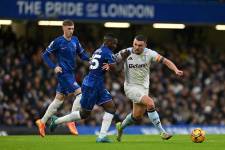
{"x":154,"y":117}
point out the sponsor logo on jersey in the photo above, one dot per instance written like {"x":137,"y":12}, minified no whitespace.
{"x":137,"y":65}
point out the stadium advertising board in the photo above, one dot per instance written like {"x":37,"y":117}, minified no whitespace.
{"x":146,"y":130}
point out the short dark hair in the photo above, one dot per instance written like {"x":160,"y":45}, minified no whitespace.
{"x":140,"y":37}
{"x":67,"y":22}
{"x":109,"y":36}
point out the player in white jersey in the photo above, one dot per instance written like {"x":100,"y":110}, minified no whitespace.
{"x":137,"y":61}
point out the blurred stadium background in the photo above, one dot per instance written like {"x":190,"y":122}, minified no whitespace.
{"x":196,"y":44}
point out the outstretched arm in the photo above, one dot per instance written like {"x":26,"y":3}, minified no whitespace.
{"x":122,"y":55}
{"x":171,"y":66}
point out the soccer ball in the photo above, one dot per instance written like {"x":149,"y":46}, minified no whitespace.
{"x":198,"y":135}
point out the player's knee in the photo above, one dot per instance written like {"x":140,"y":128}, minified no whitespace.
{"x":109,"y":107}
{"x":84,"y":114}
{"x":151,"y":109}
{"x":60,"y":96}
{"x":150,"y":106}
{"x":111,"y":110}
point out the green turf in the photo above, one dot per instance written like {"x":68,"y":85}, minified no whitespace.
{"x":130,"y":142}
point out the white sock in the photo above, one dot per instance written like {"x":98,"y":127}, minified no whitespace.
{"x":106,"y":122}
{"x":52,"y":109}
{"x":127,"y":121}
{"x":73,"y":116}
{"x":76,"y":103}
{"x":154,"y":117}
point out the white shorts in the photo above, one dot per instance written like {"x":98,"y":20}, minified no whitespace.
{"x":135,"y":92}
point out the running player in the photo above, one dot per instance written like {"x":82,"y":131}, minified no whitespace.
{"x":64,"y":48}
{"x":94,"y":91}
{"x":136,"y":85}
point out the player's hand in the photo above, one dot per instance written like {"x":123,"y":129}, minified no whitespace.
{"x":106,"y":66}
{"x":125,"y":53}
{"x":58,"y":69}
{"x":179,"y":72}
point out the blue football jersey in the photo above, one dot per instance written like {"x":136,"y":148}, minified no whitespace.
{"x":99,"y":57}
{"x":65,"y":52}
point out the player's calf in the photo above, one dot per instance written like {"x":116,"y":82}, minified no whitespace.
{"x":84,"y":113}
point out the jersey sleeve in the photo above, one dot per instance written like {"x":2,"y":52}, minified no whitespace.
{"x":154,"y":56}
{"x":81,"y":52}
{"x":110,"y":58}
{"x":52,"y":48}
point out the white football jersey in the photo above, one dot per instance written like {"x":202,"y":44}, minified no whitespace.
{"x":137,"y":67}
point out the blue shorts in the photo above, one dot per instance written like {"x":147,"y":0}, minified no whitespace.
{"x":66,"y":83}
{"x":94,"y":95}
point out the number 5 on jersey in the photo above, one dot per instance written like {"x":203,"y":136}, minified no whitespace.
{"x":94,"y":61}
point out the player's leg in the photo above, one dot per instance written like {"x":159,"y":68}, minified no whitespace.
{"x":73,"y":116}
{"x":109,"y":108}
{"x":87,"y":102}
{"x":135,"y":116}
{"x":73,"y":89}
{"x":76,"y":107}
{"x":105,"y":100}
{"x":51,"y":110}
{"x":154,"y":116}
{"x":76,"y":103}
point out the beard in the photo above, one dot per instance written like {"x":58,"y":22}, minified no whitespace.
{"x":138,"y":52}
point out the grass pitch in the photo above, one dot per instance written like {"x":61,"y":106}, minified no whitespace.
{"x":129,"y":142}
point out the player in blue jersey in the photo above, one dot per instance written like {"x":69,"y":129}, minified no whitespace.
{"x":94,"y":91}
{"x":64,"y":48}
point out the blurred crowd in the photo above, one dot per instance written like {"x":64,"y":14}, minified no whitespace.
{"x":27,"y":85}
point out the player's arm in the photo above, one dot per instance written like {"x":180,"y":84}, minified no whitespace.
{"x":122,"y":55}
{"x":110,"y":62}
{"x":82,"y":53}
{"x":118,"y":57}
{"x":46,"y":57}
{"x":169,"y":64}
{"x":107,"y":66}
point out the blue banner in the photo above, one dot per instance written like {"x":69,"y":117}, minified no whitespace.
{"x":113,"y":10}
{"x":147,"y":130}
